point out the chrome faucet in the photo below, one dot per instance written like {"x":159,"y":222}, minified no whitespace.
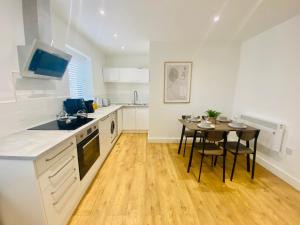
{"x":135,"y":97}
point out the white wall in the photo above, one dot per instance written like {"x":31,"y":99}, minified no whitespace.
{"x":36,"y":100}
{"x":63,"y":34}
{"x":268,"y":86}
{"x":11,"y":36}
{"x":123,"y":92}
{"x":139,"y":61}
{"x":214,"y":74}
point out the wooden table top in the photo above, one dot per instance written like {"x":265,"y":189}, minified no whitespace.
{"x":221,"y":126}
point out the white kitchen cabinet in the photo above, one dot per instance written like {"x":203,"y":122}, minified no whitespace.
{"x":50,"y":186}
{"x":59,"y":203}
{"x":105,"y":137}
{"x":135,"y":118}
{"x":111,"y":74}
{"x":120,"y":121}
{"x":60,"y":182}
{"x":142,"y":75}
{"x":43,"y":191}
{"x":129,"y":118}
{"x":126,"y":75}
{"x":141,"y":118}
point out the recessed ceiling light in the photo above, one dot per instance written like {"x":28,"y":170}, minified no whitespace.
{"x":101,"y":11}
{"x":115,"y":35}
{"x":123,"y":48}
{"x":216,"y":18}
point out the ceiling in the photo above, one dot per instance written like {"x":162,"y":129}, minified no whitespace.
{"x":137,"y":22}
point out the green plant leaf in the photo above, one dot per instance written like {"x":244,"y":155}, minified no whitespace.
{"x":212,"y":113}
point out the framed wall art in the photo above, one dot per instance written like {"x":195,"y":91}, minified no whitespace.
{"x":177,"y":85}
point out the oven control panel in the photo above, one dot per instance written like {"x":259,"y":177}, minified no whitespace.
{"x":86,"y":132}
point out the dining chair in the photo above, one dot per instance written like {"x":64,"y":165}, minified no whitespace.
{"x":237,"y":148}
{"x":190,"y":134}
{"x":210,"y":147}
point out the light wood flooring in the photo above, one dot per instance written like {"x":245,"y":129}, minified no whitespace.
{"x":142,"y":183}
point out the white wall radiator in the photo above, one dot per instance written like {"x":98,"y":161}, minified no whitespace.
{"x":271,"y":133}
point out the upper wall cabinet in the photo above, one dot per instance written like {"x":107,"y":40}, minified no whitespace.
{"x":126,"y":75}
{"x":111,"y":74}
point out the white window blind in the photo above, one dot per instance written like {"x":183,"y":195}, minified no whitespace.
{"x":80,"y":76}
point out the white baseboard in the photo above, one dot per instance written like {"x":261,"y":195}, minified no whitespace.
{"x":278,"y":172}
{"x":135,"y":131}
{"x":163,"y":140}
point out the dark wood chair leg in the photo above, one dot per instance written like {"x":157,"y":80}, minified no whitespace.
{"x":233,"y":167}
{"x":212,"y":161}
{"x":253,"y":165}
{"x":184,"y":147}
{"x":200,"y":169}
{"x":216,"y":159}
{"x":224,"y":167}
{"x":248,"y":162}
{"x":180,"y":143}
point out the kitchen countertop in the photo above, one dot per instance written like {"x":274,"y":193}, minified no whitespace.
{"x":31,"y":144}
{"x":132,"y":105}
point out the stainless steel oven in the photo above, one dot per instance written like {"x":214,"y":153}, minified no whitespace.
{"x":88,"y":148}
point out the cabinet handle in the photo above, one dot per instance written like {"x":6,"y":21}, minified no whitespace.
{"x":83,"y":147}
{"x":61,"y":168}
{"x":70,"y":185}
{"x":53,"y":157}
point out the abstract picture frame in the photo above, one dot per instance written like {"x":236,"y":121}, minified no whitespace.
{"x":177,"y":81}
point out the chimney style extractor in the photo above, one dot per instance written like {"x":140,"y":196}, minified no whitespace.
{"x":37,"y":21}
{"x":38,"y":59}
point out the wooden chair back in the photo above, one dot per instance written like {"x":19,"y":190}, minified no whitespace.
{"x":247,"y":135}
{"x":214,"y":135}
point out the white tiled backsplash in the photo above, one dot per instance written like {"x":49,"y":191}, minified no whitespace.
{"x":17,"y":116}
{"x":123,"y":93}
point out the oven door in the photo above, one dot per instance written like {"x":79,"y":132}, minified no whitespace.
{"x":88,"y":152}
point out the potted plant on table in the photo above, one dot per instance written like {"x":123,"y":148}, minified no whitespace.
{"x":212,"y":115}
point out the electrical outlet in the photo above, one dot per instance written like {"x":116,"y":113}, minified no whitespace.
{"x":289,"y":151}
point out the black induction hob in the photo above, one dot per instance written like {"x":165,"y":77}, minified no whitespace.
{"x":53,"y":125}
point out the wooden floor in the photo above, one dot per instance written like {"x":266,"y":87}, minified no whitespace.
{"x":143,"y":183}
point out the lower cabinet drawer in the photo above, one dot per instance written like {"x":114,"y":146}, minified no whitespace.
{"x":58,"y":172}
{"x":60,"y":183}
{"x":60,"y":202}
{"x":54,"y":155}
